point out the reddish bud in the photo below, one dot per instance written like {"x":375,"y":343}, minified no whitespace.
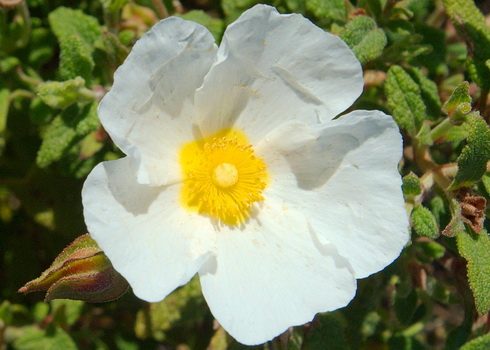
{"x":80,"y":272}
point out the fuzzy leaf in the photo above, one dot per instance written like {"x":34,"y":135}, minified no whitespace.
{"x":424,"y":223}
{"x":431,"y":249}
{"x":75,"y":60}
{"x":472,"y":163}
{"x":480,"y":343}
{"x":470,"y":23}
{"x":365,"y":39}
{"x":474,"y":248}
{"x":455,"y":226}
{"x":460,"y":95}
{"x":76,"y":32}
{"x":404,"y":99}
{"x":116,"y":52}
{"x":411,"y":185}
{"x":435,"y":60}
{"x":63,"y":94}
{"x":67,"y":128}
{"x":67,"y":22}
{"x":486,"y":183}
{"x":429,"y":91}
{"x":328,"y":9}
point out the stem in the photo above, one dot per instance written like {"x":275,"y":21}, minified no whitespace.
{"x":26,"y":17}
{"x":482,"y":102}
{"x":439,"y":175}
{"x":414,"y":329}
{"x":32,"y":82}
{"x":21,"y":93}
{"x":390,"y":4}
{"x":87,"y":94}
{"x":160,"y":8}
{"x":441,"y":129}
{"x":422,"y":156}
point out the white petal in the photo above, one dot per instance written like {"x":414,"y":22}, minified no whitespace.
{"x":347,"y":170}
{"x":272,"y":68}
{"x":272,"y":275}
{"x":150,"y":240}
{"x":151,"y":104}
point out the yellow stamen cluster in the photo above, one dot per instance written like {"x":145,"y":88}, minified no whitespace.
{"x":223,"y":178}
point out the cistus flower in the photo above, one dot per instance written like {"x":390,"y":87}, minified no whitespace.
{"x":237,"y":170}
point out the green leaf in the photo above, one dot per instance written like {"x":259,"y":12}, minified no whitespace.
{"x":472,"y":163}
{"x":234,"y":8}
{"x":40,"y":311}
{"x":460,"y":95}
{"x":455,"y":226}
{"x":66,"y":129}
{"x":470,"y":23}
{"x":486,"y":183}
{"x":66,"y":22}
{"x":429,"y":91}
{"x":75,"y":60}
{"x":404,"y":99}
{"x":183,"y":308}
{"x":411,"y":184}
{"x":334,"y":10}
{"x":68,"y":310}
{"x":366,"y":40}
{"x":439,"y":210}
{"x":76,"y":32}
{"x":405,"y":306}
{"x":330,"y":334}
{"x":63,"y":94}
{"x":41,"y":47}
{"x":4,"y":105}
{"x":33,"y":338}
{"x":435,"y":60}
{"x":116,"y":52}
{"x":480,"y":343}
{"x":431,"y":249}
{"x":7,"y":64}
{"x":424,"y":223}
{"x":474,"y":248}
{"x":215,"y":25}
{"x":126,"y":37}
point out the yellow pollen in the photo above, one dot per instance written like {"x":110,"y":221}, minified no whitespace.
{"x":222,"y":176}
{"x":225,"y":175}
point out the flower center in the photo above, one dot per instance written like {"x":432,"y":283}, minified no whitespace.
{"x":225,"y":175}
{"x":222,"y":176}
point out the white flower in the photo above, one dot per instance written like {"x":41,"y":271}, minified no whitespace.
{"x":236,"y":170}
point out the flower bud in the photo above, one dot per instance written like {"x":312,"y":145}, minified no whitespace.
{"x":80,"y":272}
